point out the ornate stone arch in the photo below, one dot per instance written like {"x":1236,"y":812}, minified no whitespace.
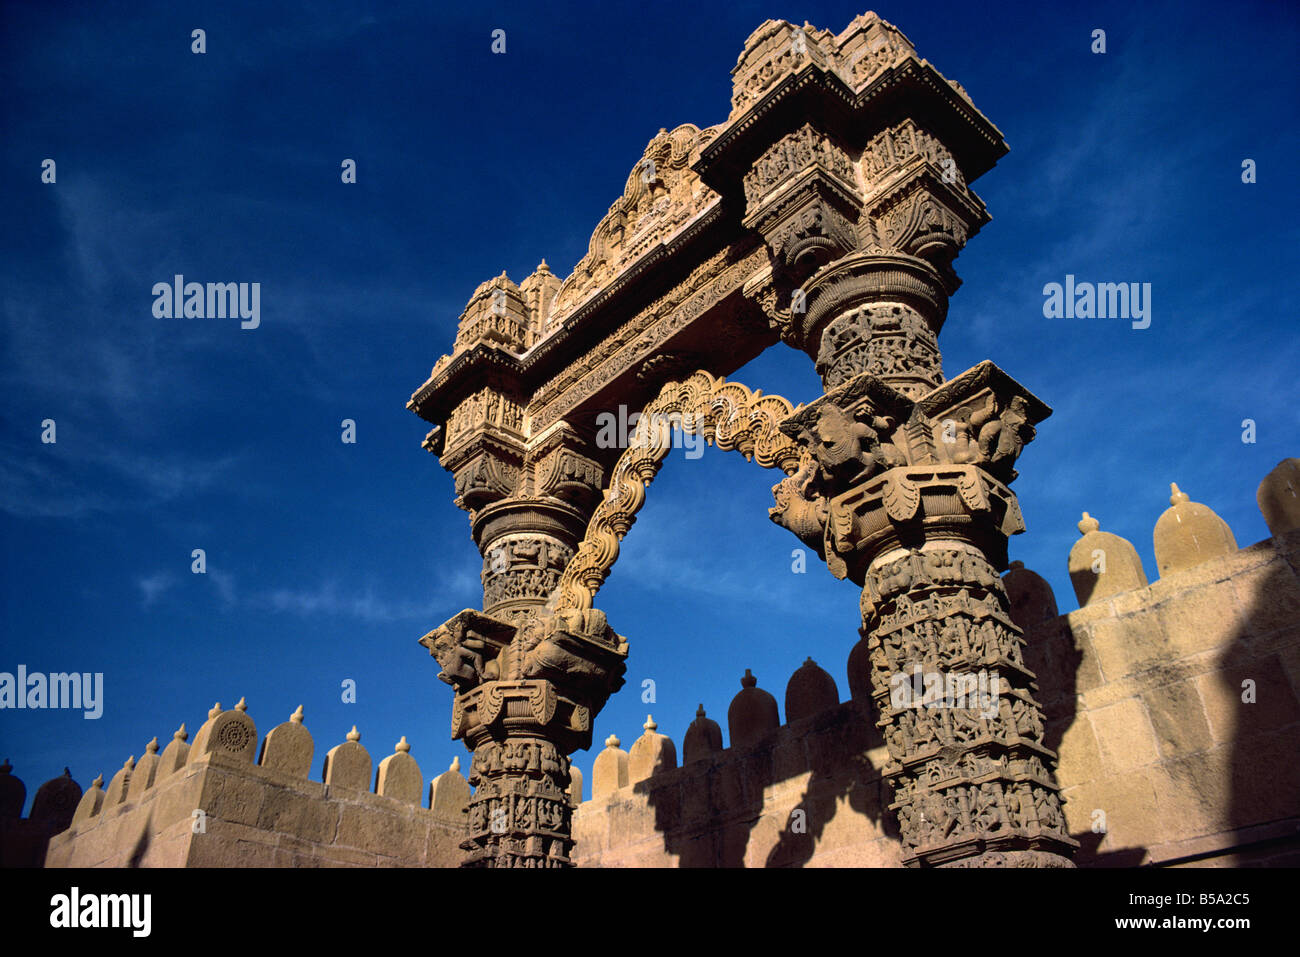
{"x":825,"y":212}
{"x":728,"y":414}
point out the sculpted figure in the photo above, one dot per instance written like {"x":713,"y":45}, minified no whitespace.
{"x":848,"y":451}
{"x":461,"y":657}
{"x":798,"y":508}
{"x":1002,"y":437}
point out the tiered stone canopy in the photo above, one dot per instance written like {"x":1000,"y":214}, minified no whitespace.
{"x":826,"y":212}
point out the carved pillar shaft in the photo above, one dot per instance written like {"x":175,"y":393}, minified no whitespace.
{"x":879,"y":315}
{"x":972,"y":780}
{"x":520,"y":571}
{"x":908,"y":497}
{"x":520,"y":814}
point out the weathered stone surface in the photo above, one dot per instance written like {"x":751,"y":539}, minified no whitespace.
{"x":142,"y":777}
{"x":609,"y":771}
{"x":229,"y":732}
{"x":56,"y":802}
{"x":175,"y":755}
{"x":859,"y":665}
{"x":1031,"y":597}
{"x":91,"y":802}
{"x":449,"y":793}
{"x":703,"y":738}
{"x":1278,"y":497}
{"x":576,"y":794}
{"x":650,"y":754}
{"x":117,"y":787}
{"x":399,"y":776}
{"x":13,"y":793}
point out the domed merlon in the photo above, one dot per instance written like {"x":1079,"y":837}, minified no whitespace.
{"x":1278,"y":497}
{"x":703,"y":737}
{"x":1032,"y":599}
{"x":810,"y":690}
{"x":13,"y":793}
{"x":56,"y":801}
{"x":609,"y":772}
{"x":1189,"y":534}
{"x":753,"y":714}
{"x":860,"y":671}
{"x":650,"y":753}
{"x":1102,"y":564}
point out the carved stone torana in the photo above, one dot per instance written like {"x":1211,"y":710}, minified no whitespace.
{"x":825,"y":212}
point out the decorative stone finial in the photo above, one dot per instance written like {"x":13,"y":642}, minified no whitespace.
{"x":181,"y":734}
{"x":152,"y":746}
{"x":129,"y":763}
{"x":98,"y":783}
{"x":1017,"y":564}
{"x":67,"y":772}
{"x":214,"y":710}
{"x":354,"y":734}
{"x":296,"y":717}
{"x":748,"y":681}
{"x":612,"y":741}
{"x":1088,"y":524}
{"x":242,"y":705}
{"x":1177,"y":495}
{"x":699,"y":712}
{"x":650,"y":724}
{"x":6,"y":767}
{"x":455,"y":764}
{"x":402,"y":746}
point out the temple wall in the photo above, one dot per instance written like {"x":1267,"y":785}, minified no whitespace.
{"x":737,"y":807}
{"x":255,"y":817}
{"x":218,"y":808}
{"x":1143,"y":693}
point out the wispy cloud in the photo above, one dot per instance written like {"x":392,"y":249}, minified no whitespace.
{"x":71,"y":479}
{"x":152,"y":587}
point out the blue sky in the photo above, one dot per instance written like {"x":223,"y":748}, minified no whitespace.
{"x":327,"y":561}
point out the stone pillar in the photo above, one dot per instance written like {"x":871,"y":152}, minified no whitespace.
{"x":855,"y":173}
{"x":527,"y":683}
{"x":910,"y":500}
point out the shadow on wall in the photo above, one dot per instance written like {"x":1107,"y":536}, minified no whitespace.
{"x":778,"y":797}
